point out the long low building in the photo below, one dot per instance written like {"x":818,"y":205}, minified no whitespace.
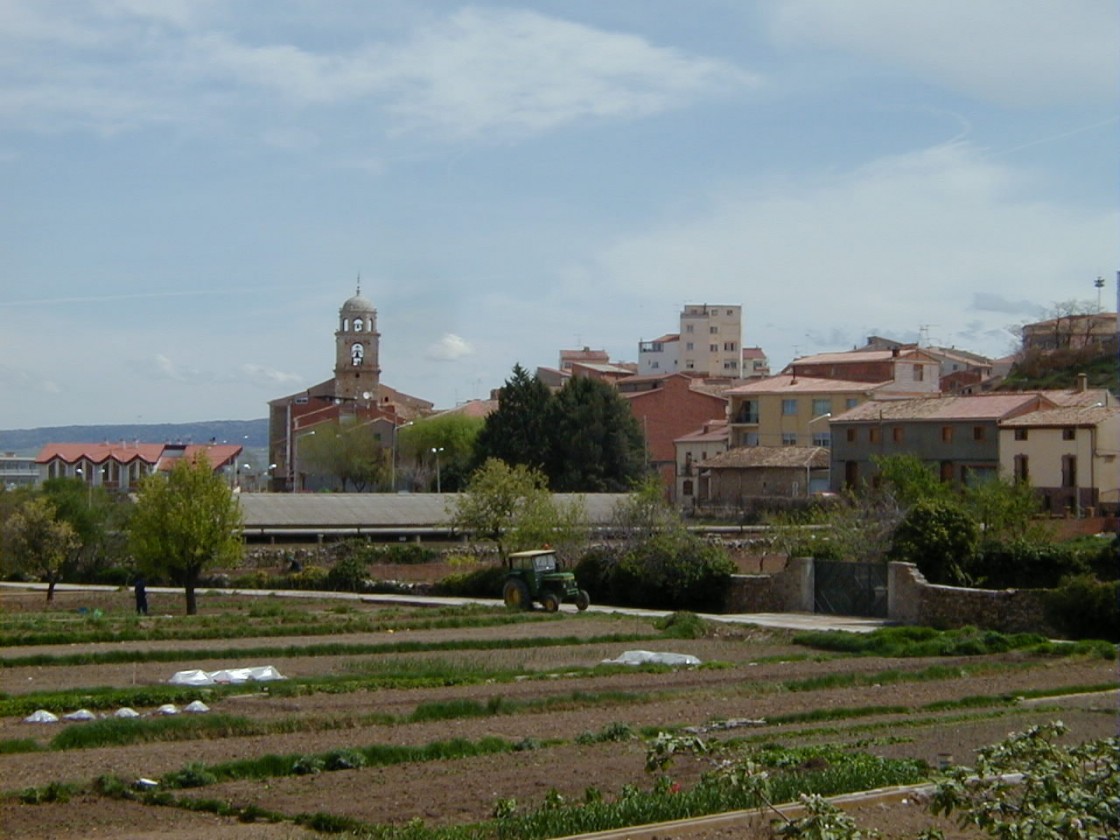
{"x":313,"y":516}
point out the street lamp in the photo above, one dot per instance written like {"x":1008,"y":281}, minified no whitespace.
{"x":393,"y":454}
{"x":437,"y":450}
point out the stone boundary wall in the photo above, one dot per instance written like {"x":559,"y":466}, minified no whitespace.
{"x":913,"y":600}
{"x":910,"y":600}
{"x":790,"y":590}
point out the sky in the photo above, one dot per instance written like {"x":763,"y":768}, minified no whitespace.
{"x":190,"y":189}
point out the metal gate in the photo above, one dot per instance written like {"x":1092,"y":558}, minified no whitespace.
{"x":850,"y":588}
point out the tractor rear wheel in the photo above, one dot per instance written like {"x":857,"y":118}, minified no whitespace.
{"x":516,"y":594}
{"x":550,"y":602}
{"x":583,"y":600}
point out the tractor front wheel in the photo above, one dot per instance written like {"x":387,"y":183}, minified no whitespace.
{"x":516,"y":594}
{"x":583,"y":600}
{"x":550,"y":602}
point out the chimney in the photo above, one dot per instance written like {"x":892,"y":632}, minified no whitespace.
{"x":1082,"y":383}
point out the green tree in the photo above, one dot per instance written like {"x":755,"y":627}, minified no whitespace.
{"x":185,"y":523}
{"x":1006,"y":510}
{"x":347,"y":452}
{"x":595,"y":443}
{"x":910,"y":480}
{"x":37,"y":542}
{"x":511,"y":507}
{"x":453,"y":434}
{"x":941,"y":538}
{"x":517,"y":432}
{"x":95,"y":517}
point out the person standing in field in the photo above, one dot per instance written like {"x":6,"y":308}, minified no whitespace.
{"x":141,"y":596}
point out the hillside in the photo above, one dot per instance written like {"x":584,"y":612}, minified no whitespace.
{"x":1059,"y":370}
{"x":252,"y":434}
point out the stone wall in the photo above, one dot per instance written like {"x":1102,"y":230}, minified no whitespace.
{"x":790,"y":590}
{"x":913,"y":600}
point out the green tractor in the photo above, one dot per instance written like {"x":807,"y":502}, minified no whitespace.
{"x":539,"y":576}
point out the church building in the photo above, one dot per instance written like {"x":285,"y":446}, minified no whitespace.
{"x":354,"y":395}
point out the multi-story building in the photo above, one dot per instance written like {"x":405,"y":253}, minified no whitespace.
{"x":1069,"y":454}
{"x":355,"y":394}
{"x":787,"y":410}
{"x":660,"y":356}
{"x":18,"y":471}
{"x":120,"y":467}
{"x":694,"y":450}
{"x":711,"y":341}
{"x":958,"y":436}
{"x":666,"y":408}
{"x":709,"y":344}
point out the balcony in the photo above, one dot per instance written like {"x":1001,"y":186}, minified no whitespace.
{"x":745,"y":416}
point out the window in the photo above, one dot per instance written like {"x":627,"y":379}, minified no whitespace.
{"x":713,"y":348}
{"x":851,"y":402}
{"x":873,"y":434}
{"x":1069,"y":434}
{"x":729,"y":346}
{"x":977,"y":432}
{"x":896,"y":434}
{"x":750,"y":439}
{"x":919,"y":372}
{"x":655,"y":365}
{"x":851,"y":473}
{"x":713,"y":330}
{"x":822,"y":439}
{"x":946,"y":471}
{"x":789,"y":407}
{"x":689,"y":365}
{"x":946,"y":434}
{"x":1020,"y":434}
{"x":1022,"y":469}
{"x":789,"y":438}
{"x":358,"y":325}
{"x":688,"y":328}
{"x":822,"y":407}
{"x":688,"y":345}
{"x":851,"y":435}
{"x":686,"y":488}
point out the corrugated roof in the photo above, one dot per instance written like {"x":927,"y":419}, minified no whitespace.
{"x":770,"y":456}
{"x":379,"y":510}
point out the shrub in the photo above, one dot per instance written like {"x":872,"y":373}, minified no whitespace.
{"x":674,"y":570}
{"x":940,"y":537}
{"x":682,"y":625}
{"x":310,"y":577}
{"x":595,"y":573}
{"x":1085,"y":608}
{"x":348,"y":575}
{"x":481,"y":583}
{"x":1020,"y":564}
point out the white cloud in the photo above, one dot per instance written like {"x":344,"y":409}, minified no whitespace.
{"x":1008,"y":51}
{"x":449,"y":348}
{"x":477,"y":72}
{"x":262,"y":375}
{"x":927,"y":239}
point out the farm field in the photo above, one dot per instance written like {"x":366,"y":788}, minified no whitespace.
{"x":458,"y":713}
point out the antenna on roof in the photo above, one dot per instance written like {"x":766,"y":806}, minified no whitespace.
{"x":923,"y":334}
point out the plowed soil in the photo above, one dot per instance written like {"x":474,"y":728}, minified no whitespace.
{"x":752,"y":684}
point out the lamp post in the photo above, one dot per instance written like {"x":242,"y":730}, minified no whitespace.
{"x":808,"y":469}
{"x":393,"y":455}
{"x":437,"y":450}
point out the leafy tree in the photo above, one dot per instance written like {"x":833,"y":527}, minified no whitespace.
{"x":454,"y":434}
{"x":909,"y":479}
{"x":38,"y":542}
{"x":511,"y":507}
{"x":349,"y":453}
{"x":595,"y":443}
{"x":1061,"y":791}
{"x":184,"y":524}
{"x":517,"y":432}
{"x":96,"y":517}
{"x":1006,"y":510}
{"x":940,"y":537}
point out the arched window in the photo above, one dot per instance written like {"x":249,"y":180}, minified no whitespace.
{"x":358,"y":325}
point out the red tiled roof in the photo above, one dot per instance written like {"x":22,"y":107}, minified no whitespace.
{"x":1063,"y":416}
{"x":944,"y":407}
{"x":160,"y":455}
{"x":769,"y":456}
{"x":802,"y":384}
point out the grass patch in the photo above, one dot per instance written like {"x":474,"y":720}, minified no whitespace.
{"x":903,"y":642}
{"x":13,"y":746}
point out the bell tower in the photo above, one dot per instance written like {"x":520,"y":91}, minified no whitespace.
{"x":356,"y":369}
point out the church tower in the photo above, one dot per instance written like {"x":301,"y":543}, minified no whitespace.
{"x":357,"y":375}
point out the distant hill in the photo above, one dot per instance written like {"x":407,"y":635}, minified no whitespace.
{"x":252,"y":434}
